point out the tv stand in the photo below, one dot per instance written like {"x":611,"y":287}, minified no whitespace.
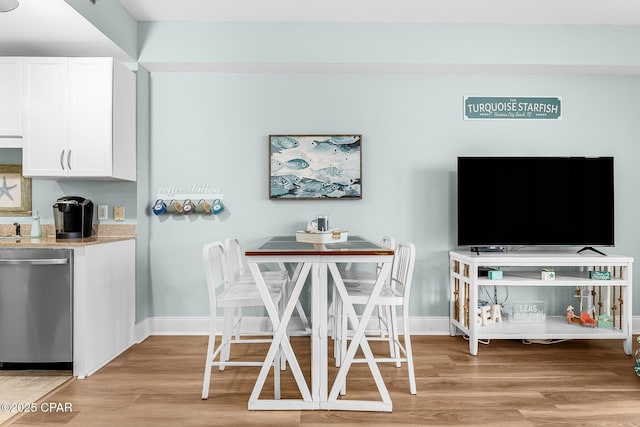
{"x":478,"y":249}
{"x":522,"y":269}
{"x":591,"y":248}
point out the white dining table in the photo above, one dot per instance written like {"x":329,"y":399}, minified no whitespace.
{"x":319,"y":262}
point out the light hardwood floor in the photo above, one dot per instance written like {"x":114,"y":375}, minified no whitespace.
{"x":158,"y":383}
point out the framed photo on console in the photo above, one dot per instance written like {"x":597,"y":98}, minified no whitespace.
{"x":304,"y":167}
{"x":15,"y":191}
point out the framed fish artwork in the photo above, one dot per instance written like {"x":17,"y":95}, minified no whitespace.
{"x":309,"y":167}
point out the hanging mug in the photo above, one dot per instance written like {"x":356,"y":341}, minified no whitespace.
{"x":188,"y":207}
{"x":203,"y":206}
{"x":217,"y":206}
{"x":174,"y":206}
{"x":159,"y":207}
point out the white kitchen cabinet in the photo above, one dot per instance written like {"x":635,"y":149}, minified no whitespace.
{"x":103,"y":304}
{"x":79,"y":118}
{"x":10,"y":102}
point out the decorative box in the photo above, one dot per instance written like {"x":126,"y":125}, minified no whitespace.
{"x":548,"y":274}
{"x":526,"y":311}
{"x":495,"y":274}
{"x":599,"y":275}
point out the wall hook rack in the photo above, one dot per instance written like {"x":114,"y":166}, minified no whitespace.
{"x":197,"y":198}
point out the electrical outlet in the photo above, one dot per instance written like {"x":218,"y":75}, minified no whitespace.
{"x":118,"y":213}
{"x":103,"y":212}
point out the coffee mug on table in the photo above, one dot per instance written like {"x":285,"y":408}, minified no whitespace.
{"x":322,"y":221}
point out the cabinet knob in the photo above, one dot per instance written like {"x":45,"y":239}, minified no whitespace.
{"x":69,"y":159}
{"x":62,"y":159}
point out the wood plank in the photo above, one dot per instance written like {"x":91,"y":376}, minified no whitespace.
{"x":158,"y":382}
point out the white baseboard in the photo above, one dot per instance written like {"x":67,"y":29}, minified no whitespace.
{"x":425,"y":325}
{"x":200,"y":326}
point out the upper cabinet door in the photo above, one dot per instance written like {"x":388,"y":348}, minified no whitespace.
{"x":90,"y":117}
{"x":46,"y":123}
{"x":80,"y":118}
{"x":10,"y":98}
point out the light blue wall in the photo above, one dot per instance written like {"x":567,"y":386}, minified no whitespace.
{"x":394,"y":44}
{"x":44,"y":192}
{"x":214,"y":128}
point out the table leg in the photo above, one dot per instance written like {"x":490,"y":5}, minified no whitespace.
{"x":359,"y":340}
{"x":280,"y":339}
{"x":299,"y":309}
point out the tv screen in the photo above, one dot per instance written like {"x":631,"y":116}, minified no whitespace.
{"x":522,"y":201}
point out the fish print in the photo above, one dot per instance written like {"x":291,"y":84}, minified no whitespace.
{"x":284,"y":142}
{"x":339,"y":140}
{"x":297,"y":164}
{"x":276,"y":165}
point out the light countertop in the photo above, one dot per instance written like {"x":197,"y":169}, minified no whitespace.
{"x":50,"y":241}
{"x":106,"y":233}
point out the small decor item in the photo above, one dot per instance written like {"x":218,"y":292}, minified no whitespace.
{"x":571,"y":316}
{"x":495,"y":274}
{"x":547,"y":274}
{"x":526,"y":311}
{"x":315,"y":167}
{"x":15,"y":191}
{"x":485,"y":315}
{"x":587,"y":320}
{"x":605,"y":321}
{"x":496,"y":313}
{"x":599,"y":275}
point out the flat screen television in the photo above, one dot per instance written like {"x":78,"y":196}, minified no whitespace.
{"x":535,"y":201}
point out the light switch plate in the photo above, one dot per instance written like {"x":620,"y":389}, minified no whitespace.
{"x":118,"y":213}
{"x":103,"y":212}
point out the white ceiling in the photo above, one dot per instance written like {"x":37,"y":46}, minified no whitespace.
{"x":52,"y":28}
{"x":584,"y":12}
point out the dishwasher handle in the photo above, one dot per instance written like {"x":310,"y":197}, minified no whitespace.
{"x":34,"y":261}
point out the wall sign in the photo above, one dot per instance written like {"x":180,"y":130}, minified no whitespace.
{"x":506,"y":107}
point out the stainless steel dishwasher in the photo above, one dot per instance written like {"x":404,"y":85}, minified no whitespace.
{"x":36,"y":303}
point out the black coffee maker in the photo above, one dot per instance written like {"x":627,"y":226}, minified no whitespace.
{"x":73,"y":217}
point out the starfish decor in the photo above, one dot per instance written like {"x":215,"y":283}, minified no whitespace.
{"x":5,"y":188}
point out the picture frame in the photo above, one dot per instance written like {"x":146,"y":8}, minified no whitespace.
{"x":315,"y":166}
{"x":15,"y":191}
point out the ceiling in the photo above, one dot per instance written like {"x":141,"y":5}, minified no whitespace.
{"x":581,"y":12}
{"x":54,"y":28}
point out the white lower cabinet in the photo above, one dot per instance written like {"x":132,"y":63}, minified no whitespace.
{"x":79,"y":118}
{"x":103,"y":304}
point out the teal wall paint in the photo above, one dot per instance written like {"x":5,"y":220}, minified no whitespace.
{"x":213,"y":128}
{"x":399,"y":44}
{"x":44,"y":192}
{"x":143,"y":273}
